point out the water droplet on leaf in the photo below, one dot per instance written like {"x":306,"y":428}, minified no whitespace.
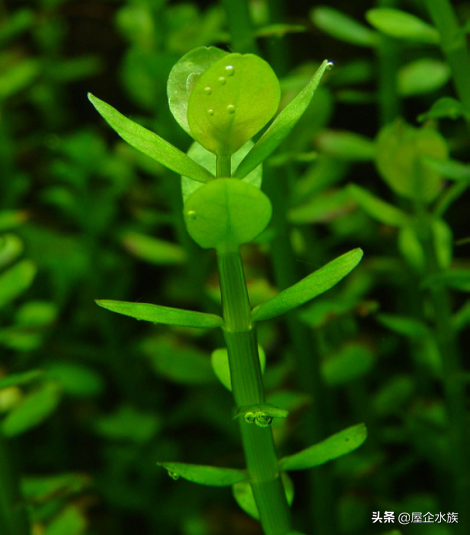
{"x":222,"y":80}
{"x":210,"y":112}
{"x":208,"y":91}
{"x":229,"y":69}
{"x":192,"y":214}
{"x":329,"y":66}
{"x":231,"y":108}
{"x":173,"y":475}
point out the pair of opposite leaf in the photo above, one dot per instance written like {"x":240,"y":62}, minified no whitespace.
{"x":221,"y":100}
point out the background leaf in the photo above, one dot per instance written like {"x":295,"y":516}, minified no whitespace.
{"x":205,"y":475}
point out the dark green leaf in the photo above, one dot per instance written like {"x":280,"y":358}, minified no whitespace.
{"x":331,"y":448}
{"x":377,"y":208}
{"x":18,"y":379}
{"x":445,"y":107}
{"x":457,"y":279}
{"x":410,"y":327}
{"x":165,"y":315}
{"x":314,"y":284}
{"x":346,"y":146}
{"x":16,"y":280}
{"x":150,"y":144}
{"x":452,"y":169}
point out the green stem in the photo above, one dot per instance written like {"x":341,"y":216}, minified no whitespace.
{"x":223,"y":166}
{"x":13,"y":518}
{"x":454,"y":46}
{"x":454,"y":387}
{"x":239,"y":23}
{"x":247,"y":386}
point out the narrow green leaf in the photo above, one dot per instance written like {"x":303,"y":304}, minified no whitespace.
{"x":402,"y":25}
{"x":150,"y":144}
{"x":153,"y":250}
{"x":445,"y":107}
{"x":16,"y":280}
{"x":422,"y":76}
{"x":11,"y":248}
{"x":220,"y":365}
{"x":184,"y":75}
{"x":377,"y":208}
{"x":279,"y":30}
{"x":12,"y":218}
{"x":451,"y":169}
{"x":281,"y":126}
{"x":327,"y":450}
{"x":165,"y":315}
{"x":18,"y":379}
{"x":342,"y":27}
{"x":461,"y":318}
{"x":226,"y":213}
{"x":42,"y":488}
{"x":231,"y":102}
{"x":243,"y":494}
{"x":410,"y":327}
{"x":349,"y":364}
{"x":314,"y":284}
{"x":411,"y":248}
{"x":346,"y":145}
{"x":32,"y":411}
{"x":322,"y":208}
{"x":457,"y":279}
{"x":205,"y":475}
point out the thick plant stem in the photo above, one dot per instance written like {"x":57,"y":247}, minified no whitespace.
{"x":454,"y":45}
{"x":454,"y":386}
{"x":13,"y":518}
{"x":247,"y":386}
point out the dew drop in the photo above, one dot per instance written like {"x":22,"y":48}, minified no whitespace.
{"x":229,"y":69}
{"x":173,"y":475}
{"x":329,"y":66}
{"x":222,"y":80}
{"x":192,"y":214}
{"x":210,"y":112}
{"x":231,"y":108}
{"x":207,"y":90}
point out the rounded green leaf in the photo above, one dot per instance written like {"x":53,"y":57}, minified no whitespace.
{"x":402,"y":25}
{"x":183,"y":76}
{"x":226,"y":213}
{"x":422,"y":76}
{"x":220,"y":365}
{"x":400,"y":149}
{"x":231,"y":102}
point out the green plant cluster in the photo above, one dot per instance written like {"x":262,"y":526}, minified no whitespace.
{"x":226,"y":232}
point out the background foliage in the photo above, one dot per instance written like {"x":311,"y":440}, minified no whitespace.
{"x":91,"y":400}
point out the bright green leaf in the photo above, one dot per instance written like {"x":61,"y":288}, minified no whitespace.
{"x":11,"y":248}
{"x":231,"y":102}
{"x":183,"y":77}
{"x":451,"y":169}
{"x":18,"y":379}
{"x":342,"y":27}
{"x":331,"y":448}
{"x":153,"y":250}
{"x":243,"y":494}
{"x":165,"y":315}
{"x":150,"y":144}
{"x":457,"y":279}
{"x":346,"y":145}
{"x":16,"y":280}
{"x":377,"y":208}
{"x":33,"y":410}
{"x":422,"y":76}
{"x":402,"y":25}
{"x":18,"y":76}
{"x":205,"y":475}
{"x":220,"y":365}
{"x":411,"y":248}
{"x":445,"y":107}
{"x":208,"y":160}
{"x":226,"y":213}
{"x":400,"y":149}
{"x":314,"y":284}
{"x":281,"y":126}
{"x":71,"y":521}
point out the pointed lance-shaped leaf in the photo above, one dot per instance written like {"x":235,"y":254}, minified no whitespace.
{"x":165,"y":315}
{"x":205,"y":475}
{"x":150,"y":144}
{"x":314,"y":284}
{"x":281,"y":126}
{"x":327,"y":450}
{"x":377,"y":208}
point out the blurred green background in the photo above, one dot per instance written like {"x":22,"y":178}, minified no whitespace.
{"x":90,"y":401}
